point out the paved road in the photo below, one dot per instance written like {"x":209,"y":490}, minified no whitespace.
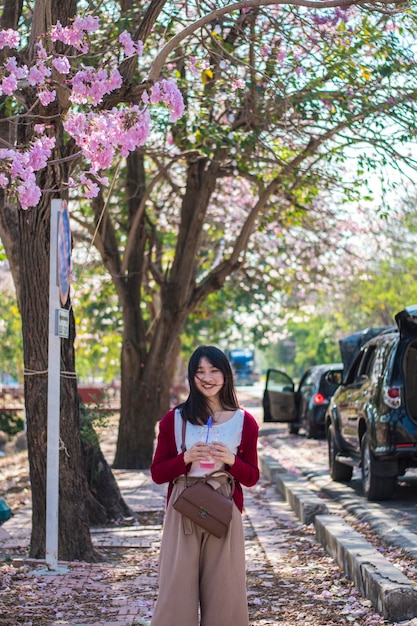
{"x":309,"y":456}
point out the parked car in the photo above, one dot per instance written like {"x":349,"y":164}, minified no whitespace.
{"x":306,"y":406}
{"x":371,"y":421}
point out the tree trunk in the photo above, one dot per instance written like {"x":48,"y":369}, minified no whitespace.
{"x":74,"y":537}
{"x":145,"y":393}
{"x":146,"y":372}
{"x":105,"y":503}
{"x":26,"y":236}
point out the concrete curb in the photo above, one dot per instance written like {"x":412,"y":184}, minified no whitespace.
{"x":270,"y":467}
{"x":305,"y":504}
{"x":391,"y":593}
{"x":379,"y":521}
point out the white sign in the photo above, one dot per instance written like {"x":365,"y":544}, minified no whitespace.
{"x":62,"y":323}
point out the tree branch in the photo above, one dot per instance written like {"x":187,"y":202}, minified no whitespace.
{"x":249,"y":4}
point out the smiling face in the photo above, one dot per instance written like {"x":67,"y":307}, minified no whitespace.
{"x":208,"y":379}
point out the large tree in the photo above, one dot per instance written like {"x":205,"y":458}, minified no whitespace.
{"x":273,"y":97}
{"x":35,"y":92}
{"x":280,"y":91}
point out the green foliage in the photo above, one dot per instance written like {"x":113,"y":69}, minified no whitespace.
{"x":370,"y":296}
{"x":11,"y":343}
{"x":98,"y":323}
{"x":11,"y":422}
{"x":92,"y":419}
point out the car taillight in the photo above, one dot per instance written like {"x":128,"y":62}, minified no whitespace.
{"x":318,"y":398}
{"x":392,"y":397}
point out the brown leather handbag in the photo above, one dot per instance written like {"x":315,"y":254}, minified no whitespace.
{"x":203,"y":504}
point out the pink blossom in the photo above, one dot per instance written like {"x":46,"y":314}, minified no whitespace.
{"x":29,"y":194}
{"x":115,"y":80}
{"x":62,"y":65}
{"x":9,"y":38}
{"x":4,"y":181}
{"x":74,"y":35}
{"x":100,"y":135}
{"x":281,"y":55}
{"x":46,"y":97}
{"x":21,"y":167}
{"x":167,"y":91}
{"x":127,"y":43}
{"x":238,"y":84}
{"x":91,"y":85}
{"x":139,"y":48}
{"x":9,"y":84}
{"x":155,"y":96}
{"x":88,"y":23}
{"x":40,"y":51}
{"x":12,"y":67}
{"x":40,"y":152}
{"x":92,"y":189}
{"x":38,"y":73}
{"x":193,"y":65}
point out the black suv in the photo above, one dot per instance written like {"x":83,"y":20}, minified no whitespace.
{"x":305,"y":407}
{"x":371,"y":421}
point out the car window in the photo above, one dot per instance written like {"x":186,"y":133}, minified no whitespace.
{"x":308,"y":382}
{"x":330,"y":382}
{"x":367,"y":361}
{"x":380,"y":360}
{"x":279,"y":382}
{"x":334,"y":377}
{"x":353,"y":370}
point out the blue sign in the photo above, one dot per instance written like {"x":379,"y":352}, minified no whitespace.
{"x":64,"y":253}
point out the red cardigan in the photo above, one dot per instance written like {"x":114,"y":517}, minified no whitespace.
{"x":167,"y":464}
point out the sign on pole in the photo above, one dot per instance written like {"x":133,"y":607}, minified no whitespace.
{"x":59,"y":277}
{"x":64,"y":253}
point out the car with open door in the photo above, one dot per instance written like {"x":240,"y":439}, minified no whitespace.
{"x":371,"y":421}
{"x":304,"y":407}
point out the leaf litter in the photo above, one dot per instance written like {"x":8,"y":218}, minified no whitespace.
{"x":304,"y":586}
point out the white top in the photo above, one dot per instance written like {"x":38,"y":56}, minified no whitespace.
{"x":229,"y":432}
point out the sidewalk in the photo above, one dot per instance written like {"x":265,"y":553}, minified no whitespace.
{"x":118,"y":592}
{"x":93,"y":594}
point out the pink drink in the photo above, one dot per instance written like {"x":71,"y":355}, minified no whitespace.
{"x":208,"y":435}
{"x":207,"y":464}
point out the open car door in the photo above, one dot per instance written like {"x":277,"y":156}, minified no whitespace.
{"x":279,"y":399}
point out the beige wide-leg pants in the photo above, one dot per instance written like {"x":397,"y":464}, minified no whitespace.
{"x":200,"y":571}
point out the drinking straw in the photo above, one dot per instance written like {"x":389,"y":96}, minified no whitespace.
{"x":209,"y":425}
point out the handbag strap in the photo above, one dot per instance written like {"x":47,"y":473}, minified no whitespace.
{"x":230,"y":478}
{"x":184,"y":426}
{"x":184,"y":447}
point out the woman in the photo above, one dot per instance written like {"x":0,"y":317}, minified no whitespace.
{"x":200,"y":574}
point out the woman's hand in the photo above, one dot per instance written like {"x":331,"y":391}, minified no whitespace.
{"x":200,"y":451}
{"x":220,"y":452}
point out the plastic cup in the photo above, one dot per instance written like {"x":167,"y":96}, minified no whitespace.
{"x":208,"y":435}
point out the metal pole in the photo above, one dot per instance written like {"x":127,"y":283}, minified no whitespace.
{"x":54,"y":376}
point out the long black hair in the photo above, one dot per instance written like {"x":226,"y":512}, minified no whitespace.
{"x":196,"y":408}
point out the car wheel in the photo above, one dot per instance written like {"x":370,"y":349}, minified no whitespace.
{"x":374,"y":487}
{"x":339,"y":472}
{"x":293,"y":429}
